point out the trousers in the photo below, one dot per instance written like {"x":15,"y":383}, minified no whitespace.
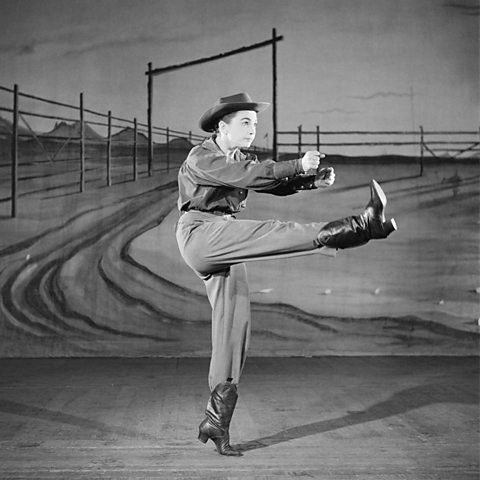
{"x":216,"y":248}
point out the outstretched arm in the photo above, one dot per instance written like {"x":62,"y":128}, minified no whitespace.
{"x":214,"y":168}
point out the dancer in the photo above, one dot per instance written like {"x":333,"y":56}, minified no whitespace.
{"x":213,"y":185}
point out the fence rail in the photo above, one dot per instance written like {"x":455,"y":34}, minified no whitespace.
{"x":158,"y":130}
{"x":303,"y":139}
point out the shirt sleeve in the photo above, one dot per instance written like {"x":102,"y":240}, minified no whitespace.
{"x":292,"y":186}
{"x":214,"y":169}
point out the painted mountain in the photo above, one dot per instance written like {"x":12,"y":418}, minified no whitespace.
{"x":127,"y":135}
{"x":72,"y":130}
{"x":181,"y":144}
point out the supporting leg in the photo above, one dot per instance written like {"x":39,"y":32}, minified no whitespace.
{"x":229,"y":298}
{"x":228,"y":295}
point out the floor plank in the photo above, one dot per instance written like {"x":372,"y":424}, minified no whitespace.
{"x":329,"y":418}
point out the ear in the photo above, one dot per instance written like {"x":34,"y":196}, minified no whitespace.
{"x":222,"y":126}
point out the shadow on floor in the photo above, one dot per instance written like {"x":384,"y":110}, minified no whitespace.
{"x":400,"y":402}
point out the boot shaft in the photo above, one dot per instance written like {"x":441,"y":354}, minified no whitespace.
{"x":221,"y":404}
{"x":347,"y":232}
{"x":215,"y":426}
{"x":357,"y":230}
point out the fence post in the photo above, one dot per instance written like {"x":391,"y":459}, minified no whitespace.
{"x":135,"y":130}
{"x":274,"y":95}
{"x":149,"y":113}
{"x":190,"y":136}
{"x":109,"y":149}
{"x":421,"y":150}
{"x":299,"y":140}
{"x":14,"y":179}
{"x":82,"y":145}
{"x":318,"y":138}
{"x":168,"y":149}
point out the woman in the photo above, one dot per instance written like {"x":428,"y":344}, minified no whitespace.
{"x":213,"y":184}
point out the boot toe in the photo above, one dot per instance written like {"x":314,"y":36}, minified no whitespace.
{"x":378,"y":192}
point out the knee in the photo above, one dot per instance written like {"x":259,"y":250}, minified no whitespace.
{"x":195,"y":257}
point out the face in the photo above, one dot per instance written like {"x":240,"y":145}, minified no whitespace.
{"x":239,"y":131}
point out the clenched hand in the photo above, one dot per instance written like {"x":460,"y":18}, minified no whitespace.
{"x":311,"y":160}
{"x":325,"y":177}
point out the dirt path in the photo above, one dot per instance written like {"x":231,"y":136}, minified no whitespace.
{"x":85,"y":285}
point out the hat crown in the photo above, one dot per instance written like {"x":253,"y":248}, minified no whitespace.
{"x":237,"y":98}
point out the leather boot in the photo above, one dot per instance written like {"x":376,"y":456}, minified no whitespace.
{"x":219,"y":413}
{"x":357,"y":230}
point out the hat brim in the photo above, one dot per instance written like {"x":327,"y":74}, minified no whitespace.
{"x":209,"y":119}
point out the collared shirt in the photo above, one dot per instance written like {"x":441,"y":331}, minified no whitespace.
{"x":210,"y":180}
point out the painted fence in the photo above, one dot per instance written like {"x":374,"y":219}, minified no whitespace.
{"x":439,"y":144}
{"x":71,"y":144}
{"x":79,"y":155}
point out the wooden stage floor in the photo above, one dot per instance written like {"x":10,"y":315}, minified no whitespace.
{"x":326,"y":418}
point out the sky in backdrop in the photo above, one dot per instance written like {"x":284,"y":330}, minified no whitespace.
{"x":343,"y":64}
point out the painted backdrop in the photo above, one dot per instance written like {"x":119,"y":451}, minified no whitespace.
{"x":97,"y":272}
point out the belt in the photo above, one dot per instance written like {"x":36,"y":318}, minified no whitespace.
{"x":219,"y":213}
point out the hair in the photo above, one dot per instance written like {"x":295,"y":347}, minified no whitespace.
{"x":226,"y":118}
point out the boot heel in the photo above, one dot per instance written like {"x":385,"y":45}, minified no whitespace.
{"x":390,"y":226}
{"x":203,"y":437}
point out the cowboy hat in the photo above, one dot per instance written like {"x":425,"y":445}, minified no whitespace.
{"x":224,"y":105}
